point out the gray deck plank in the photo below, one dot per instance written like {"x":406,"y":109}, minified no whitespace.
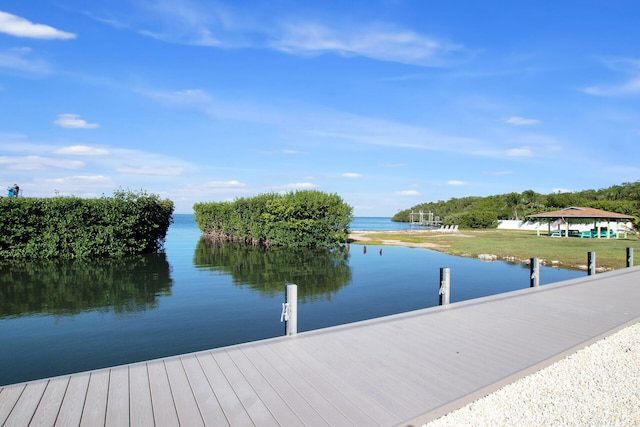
{"x":325,"y":350}
{"x":296,"y":358}
{"x":47,"y":411}
{"x":233,"y":409}
{"x":278,"y":406}
{"x":25,"y":407}
{"x":164,"y":409}
{"x":320,"y":403}
{"x":141,"y":413}
{"x":252,"y":403}
{"x":73,"y":401}
{"x":304,"y":411}
{"x":95,"y":405}
{"x":9,"y":396}
{"x":118,"y":397}
{"x":186,"y":405}
{"x":404,"y":369}
{"x":210,"y":408}
{"x":335,"y":385}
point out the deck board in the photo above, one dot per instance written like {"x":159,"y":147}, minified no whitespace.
{"x":210,"y":409}
{"x":73,"y":403}
{"x":118,"y":397}
{"x":141,"y":414}
{"x":95,"y":405}
{"x":398,"y":370}
{"x":47,"y":413}
{"x":233,"y":409}
{"x":164,"y":407}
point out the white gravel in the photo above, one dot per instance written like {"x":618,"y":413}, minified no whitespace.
{"x":596,"y":386}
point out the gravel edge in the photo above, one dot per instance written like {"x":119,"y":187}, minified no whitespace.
{"x":596,"y":386}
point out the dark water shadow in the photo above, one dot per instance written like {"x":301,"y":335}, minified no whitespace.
{"x":319,"y":273}
{"x":63,"y":288}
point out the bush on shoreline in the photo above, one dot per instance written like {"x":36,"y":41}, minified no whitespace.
{"x":296,"y":219}
{"x":72,"y":227}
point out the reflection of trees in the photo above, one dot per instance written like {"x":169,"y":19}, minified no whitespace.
{"x":58,"y":287}
{"x":318,"y":272}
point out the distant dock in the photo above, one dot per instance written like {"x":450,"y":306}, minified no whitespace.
{"x":404,"y":369}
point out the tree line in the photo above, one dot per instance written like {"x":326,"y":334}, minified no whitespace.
{"x":485,"y":212}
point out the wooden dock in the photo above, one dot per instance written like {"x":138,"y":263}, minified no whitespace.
{"x":405,"y":369}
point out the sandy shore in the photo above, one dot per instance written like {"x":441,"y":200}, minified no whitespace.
{"x":363,"y":237}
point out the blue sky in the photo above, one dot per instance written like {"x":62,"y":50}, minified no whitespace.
{"x":387,"y":103}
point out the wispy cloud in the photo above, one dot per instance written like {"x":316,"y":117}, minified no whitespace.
{"x":220,"y":26}
{"x":630,"y":87}
{"x":149,"y":170}
{"x":179,"y":97}
{"x":520,"y":152}
{"x":21,"y":59}
{"x":384,"y":43}
{"x":82,"y":150}
{"x":456,"y":183}
{"x":37,"y":163}
{"x":521,"y":121}
{"x":299,"y":186}
{"x":73,"y":121}
{"x":21,"y":27}
{"x":351,"y":175}
{"x":409,"y":193}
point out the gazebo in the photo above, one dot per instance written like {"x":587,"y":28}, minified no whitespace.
{"x":581,"y":215}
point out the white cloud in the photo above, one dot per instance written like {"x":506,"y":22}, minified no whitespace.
{"x":224,"y":185}
{"x":381,"y":43}
{"x":21,"y":59}
{"x":498,"y":173}
{"x":629,"y":88}
{"x":456,"y":183}
{"x":73,"y":121}
{"x":20,"y":27}
{"x":520,"y":152}
{"x":300,"y":186}
{"x":409,"y":193}
{"x":521,"y":121}
{"x":180,"y":97}
{"x":82,"y":150}
{"x":37,"y":163}
{"x":150,"y":170}
{"x":351,"y":175}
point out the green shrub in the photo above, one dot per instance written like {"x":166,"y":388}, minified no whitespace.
{"x":72,"y":227}
{"x":296,"y":219}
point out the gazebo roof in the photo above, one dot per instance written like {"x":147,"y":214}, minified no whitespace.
{"x":582,"y":213}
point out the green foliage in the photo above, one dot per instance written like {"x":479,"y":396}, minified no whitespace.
{"x":473,"y":219}
{"x":296,"y":219}
{"x":75,"y":228}
{"x":483,"y":212}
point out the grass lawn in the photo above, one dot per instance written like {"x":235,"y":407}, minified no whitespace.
{"x":568,"y":252}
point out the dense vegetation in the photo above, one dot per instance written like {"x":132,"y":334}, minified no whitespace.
{"x":296,"y":219}
{"x":76,"y":228}
{"x":484,"y":212}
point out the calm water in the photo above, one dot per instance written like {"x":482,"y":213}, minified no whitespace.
{"x":62,"y":317}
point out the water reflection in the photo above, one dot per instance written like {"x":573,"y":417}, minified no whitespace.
{"x":61,"y":288}
{"x":319,"y":273}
